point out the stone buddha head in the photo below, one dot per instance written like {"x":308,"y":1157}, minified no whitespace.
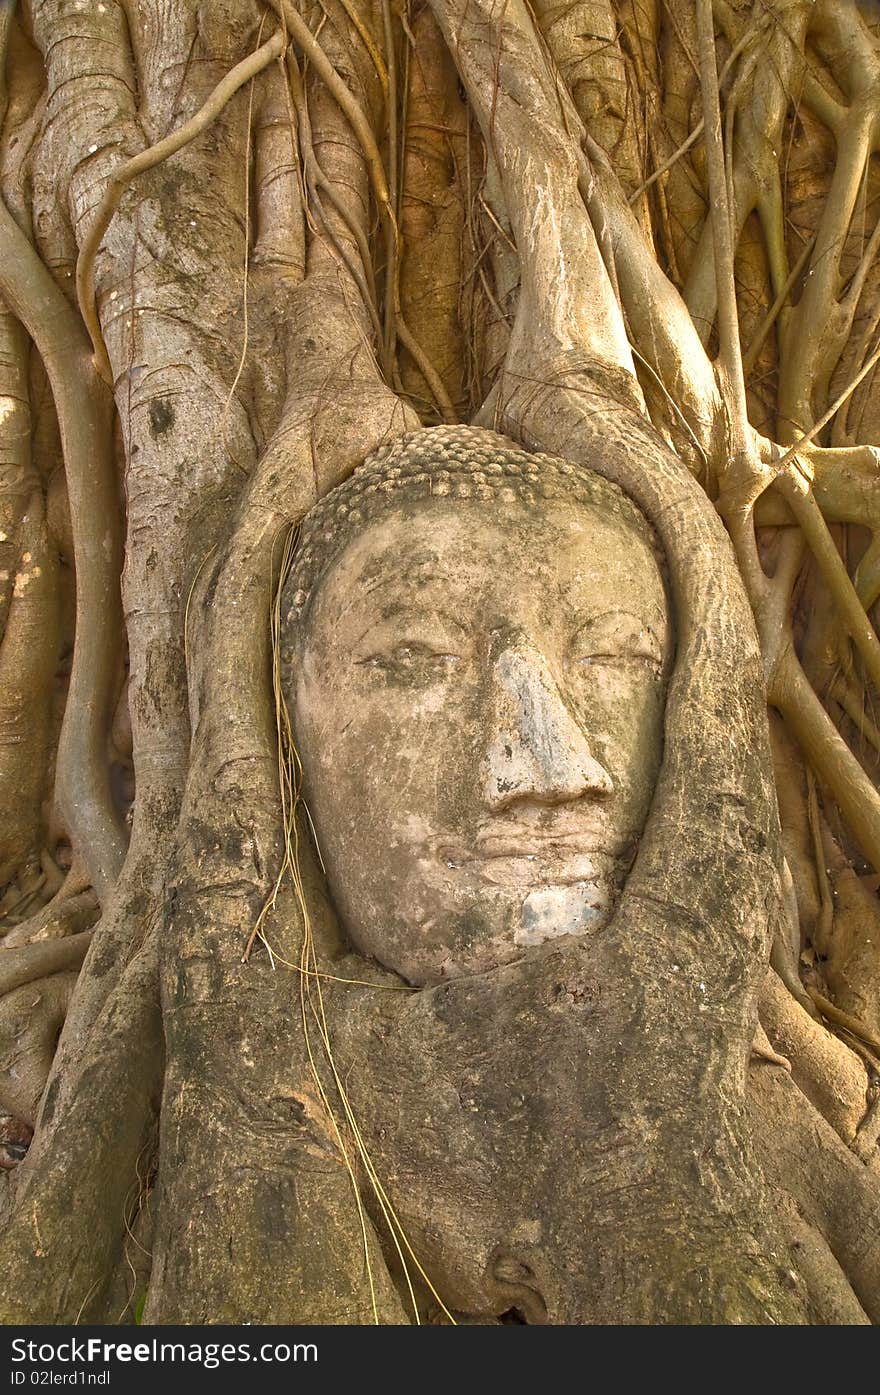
{"x":478,"y":643}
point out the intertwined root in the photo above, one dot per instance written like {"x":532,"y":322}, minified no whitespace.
{"x":344,"y":218}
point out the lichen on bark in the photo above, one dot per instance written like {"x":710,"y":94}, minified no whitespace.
{"x":241,"y":247}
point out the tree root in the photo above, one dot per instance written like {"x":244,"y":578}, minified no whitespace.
{"x":33,"y":961}
{"x":146,"y":160}
{"x":590,"y":283}
{"x":62,"y":1262}
{"x":829,"y":1073}
{"x":304,"y":39}
{"x":84,"y":414}
{"x":57,"y":920}
{"x":31,"y":1018}
{"x":28,"y":660}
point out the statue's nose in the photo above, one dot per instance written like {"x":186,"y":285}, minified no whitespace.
{"x":536,"y":748}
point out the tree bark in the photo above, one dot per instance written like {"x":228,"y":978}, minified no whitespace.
{"x":242,"y":246}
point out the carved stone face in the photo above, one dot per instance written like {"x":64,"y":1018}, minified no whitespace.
{"x":478,"y":700}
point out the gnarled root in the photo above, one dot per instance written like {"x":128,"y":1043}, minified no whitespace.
{"x":31,"y":1018}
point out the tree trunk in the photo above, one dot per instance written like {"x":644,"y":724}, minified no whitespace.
{"x":244,"y":247}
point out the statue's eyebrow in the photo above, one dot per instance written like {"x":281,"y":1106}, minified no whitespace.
{"x":610,"y":614}
{"x":367,"y":588}
{"x":587,"y":622}
{"x":414,"y":608}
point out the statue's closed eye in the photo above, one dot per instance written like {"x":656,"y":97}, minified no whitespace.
{"x":617,"y":639}
{"x":410,"y":655}
{"x":425,"y":645}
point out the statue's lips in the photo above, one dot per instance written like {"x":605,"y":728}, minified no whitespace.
{"x":531,"y":859}
{"x":528,"y":842}
{"x":537,"y":845}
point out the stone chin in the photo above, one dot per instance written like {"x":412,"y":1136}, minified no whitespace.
{"x":484,"y":912}
{"x":554,"y":911}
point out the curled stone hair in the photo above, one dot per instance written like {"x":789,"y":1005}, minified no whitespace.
{"x":445,"y":462}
